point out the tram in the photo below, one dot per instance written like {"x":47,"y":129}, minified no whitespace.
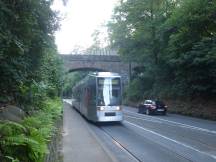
{"x":98,"y":97}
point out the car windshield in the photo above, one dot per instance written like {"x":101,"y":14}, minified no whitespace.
{"x":159,"y":103}
{"x":148,"y":102}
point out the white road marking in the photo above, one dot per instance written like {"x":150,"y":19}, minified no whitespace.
{"x":170,"y":139}
{"x":177,"y":123}
{"x":154,"y":121}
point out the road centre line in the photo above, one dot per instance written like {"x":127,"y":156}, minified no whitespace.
{"x":172,"y":140}
{"x":172,"y":122}
{"x":177,"y":123}
{"x":148,"y":120}
{"x":154,"y":121}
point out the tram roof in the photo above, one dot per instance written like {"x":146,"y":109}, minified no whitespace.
{"x":105,"y":74}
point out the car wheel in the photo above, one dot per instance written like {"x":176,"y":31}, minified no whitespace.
{"x":164,"y":113}
{"x":147,"y":112}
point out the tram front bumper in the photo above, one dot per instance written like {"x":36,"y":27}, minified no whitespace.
{"x":106,"y":116}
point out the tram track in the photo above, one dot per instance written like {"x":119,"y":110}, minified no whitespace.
{"x":176,"y":154}
{"x":130,"y":153}
{"x":142,"y":138}
{"x":119,"y":145}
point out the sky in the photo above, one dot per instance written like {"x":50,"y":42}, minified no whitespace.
{"x":80,"y":19}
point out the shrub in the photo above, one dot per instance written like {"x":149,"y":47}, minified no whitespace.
{"x":27,"y":141}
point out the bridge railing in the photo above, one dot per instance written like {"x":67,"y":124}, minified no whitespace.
{"x":99,"y":52}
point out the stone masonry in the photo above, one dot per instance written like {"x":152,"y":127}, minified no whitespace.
{"x":111,"y":63}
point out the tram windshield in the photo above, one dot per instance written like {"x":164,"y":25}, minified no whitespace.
{"x":109,"y":92}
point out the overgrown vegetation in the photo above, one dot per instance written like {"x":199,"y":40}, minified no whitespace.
{"x":70,"y":81}
{"x":27,"y":141}
{"x":175,"y":44}
{"x":28,"y":54}
{"x":31,"y":77}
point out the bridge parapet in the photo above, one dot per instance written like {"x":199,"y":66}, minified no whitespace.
{"x":102,"y":52}
{"x":108,"y":58}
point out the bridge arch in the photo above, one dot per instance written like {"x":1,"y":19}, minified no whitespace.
{"x":109,"y":63}
{"x":85,"y":69}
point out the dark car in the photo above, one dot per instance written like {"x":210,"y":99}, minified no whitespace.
{"x":152,"y":107}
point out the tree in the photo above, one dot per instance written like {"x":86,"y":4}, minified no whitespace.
{"x":135,"y":28}
{"x":70,"y":81}
{"x":30,"y":77}
{"x":26,"y":36}
{"x":191,"y":47}
{"x":174,"y":42}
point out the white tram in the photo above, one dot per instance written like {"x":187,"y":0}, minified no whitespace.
{"x":99,"y":97}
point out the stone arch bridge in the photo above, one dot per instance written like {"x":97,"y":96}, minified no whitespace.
{"x":98,"y":62}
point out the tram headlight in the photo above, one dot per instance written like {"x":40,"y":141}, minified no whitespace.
{"x":101,"y":108}
{"x":118,"y":108}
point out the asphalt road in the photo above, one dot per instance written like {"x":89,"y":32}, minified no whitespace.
{"x":171,"y":138}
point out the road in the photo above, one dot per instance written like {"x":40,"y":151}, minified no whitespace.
{"x":171,"y":138}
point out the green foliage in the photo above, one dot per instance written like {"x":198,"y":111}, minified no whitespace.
{"x":12,"y":159}
{"x":174,"y":42}
{"x":27,"y":50}
{"x":70,"y":80}
{"x":30,"y":74}
{"x":28,"y":140}
{"x":51,"y":72}
{"x":133,"y":91}
{"x":135,"y":28}
{"x":191,"y":47}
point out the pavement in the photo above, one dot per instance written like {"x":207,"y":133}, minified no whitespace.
{"x":79,"y":142}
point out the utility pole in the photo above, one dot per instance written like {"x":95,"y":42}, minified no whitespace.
{"x":129,"y":71}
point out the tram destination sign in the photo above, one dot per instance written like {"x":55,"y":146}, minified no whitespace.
{"x":113,"y":81}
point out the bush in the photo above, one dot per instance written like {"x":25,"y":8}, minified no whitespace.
{"x":134,"y":91}
{"x":27,"y":141}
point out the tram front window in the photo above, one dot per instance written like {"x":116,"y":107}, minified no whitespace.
{"x":109,"y":92}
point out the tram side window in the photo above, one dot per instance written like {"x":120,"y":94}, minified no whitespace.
{"x":76,"y":94}
{"x":93,"y":94}
{"x":100,"y":97}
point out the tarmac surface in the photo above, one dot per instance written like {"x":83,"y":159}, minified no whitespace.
{"x":139,"y":138}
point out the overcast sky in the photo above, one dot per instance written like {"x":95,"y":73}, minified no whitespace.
{"x":81,"y":18}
